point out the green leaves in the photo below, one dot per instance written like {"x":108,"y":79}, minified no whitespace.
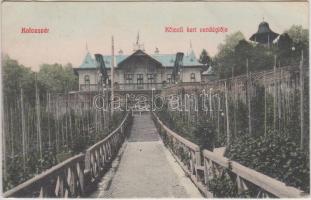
{"x":222,"y":186}
{"x":276,"y":156}
{"x":57,"y":78}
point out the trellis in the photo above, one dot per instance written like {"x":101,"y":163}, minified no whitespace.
{"x":235,"y":100}
{"x":45,"y":121}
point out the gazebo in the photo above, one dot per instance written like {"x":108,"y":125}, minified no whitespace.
{"x":264,"y":34}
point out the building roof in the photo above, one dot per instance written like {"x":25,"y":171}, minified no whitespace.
{"x":88,"y":62}
{"x":166,"y":60}
{"x":264,"y":34}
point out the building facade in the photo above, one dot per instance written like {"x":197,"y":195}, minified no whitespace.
{"x":138,"y":71}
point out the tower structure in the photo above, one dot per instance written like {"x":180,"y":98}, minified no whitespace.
{"x":264,"y":35}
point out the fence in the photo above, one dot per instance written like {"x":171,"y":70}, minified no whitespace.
{"x":203,"y":165}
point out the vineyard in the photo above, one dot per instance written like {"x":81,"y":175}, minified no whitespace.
{"x":43,"y":127}
{"x":262,"y":118}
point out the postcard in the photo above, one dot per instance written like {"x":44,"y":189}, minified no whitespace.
{"x":155,"y":99}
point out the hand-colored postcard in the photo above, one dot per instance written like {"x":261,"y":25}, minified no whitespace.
{"x":155,"y":99}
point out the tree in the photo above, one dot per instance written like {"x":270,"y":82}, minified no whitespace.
{"x":284,"y":50}
{"x":230,"y":43}
{"x":298,"y":34}
{"x":300,"y":37}
{"x":236,"y":50}
{"x":242,"y":52}
{"x":205,"y":59}
{"x":57,"y":78}
{"x":225,"y":57}
{"x":14,"y":77}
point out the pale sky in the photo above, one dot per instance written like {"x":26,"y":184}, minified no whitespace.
{"x":72,"y":25}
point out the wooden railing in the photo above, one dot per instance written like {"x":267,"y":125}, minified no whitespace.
{"x":99,"y":156}
{"x":186,"y":153}
{"x":123,"y":86}
{"x":246,"y":180}
{"x":63,"y":180}
{"x":135,"y":86}
{"x":70,"y":177}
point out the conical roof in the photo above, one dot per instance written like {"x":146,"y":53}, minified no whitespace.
{"x":264,"y":34}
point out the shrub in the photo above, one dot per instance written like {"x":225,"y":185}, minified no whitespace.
{"x":276,"y":156}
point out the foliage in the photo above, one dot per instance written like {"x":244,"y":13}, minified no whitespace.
{"x":65,"y":128}
{"x":233,"y":62}
{"x":204,"y":134}
{"x":233,"y":53}
{"x":80,"y":143}
{"x":205,"y":59}
{"x":15,"y":173}
{"x":225,"y":55}
{"x":230,"y":43}
{"x":222,"y":186}
{"x":275,"y":155}
{"x":57,"y":78}
{"x":284,"y":51}
{"x":52,"y":78}
{"x":298,"y":34}
{"x":14,"y":76}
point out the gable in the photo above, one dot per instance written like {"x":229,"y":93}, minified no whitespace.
{"x":139,"y":57}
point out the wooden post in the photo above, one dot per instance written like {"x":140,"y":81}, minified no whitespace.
{"x":38,"y":114}
{"x":233,"y":82}
{"x":248,"y":100}
{"x":48,"y":115}
{"x":23,"y":129}
{"x":227,"y":115}
{"x":264,"y":84}
{"x":5,"y":131}
{"x":12,"y":131}
{"x":56,"y":104}
{"x":274,"y":93}
{"x":210,"y":103}
{"x":112,"y":76}
{"x":218,"y":120}
{"x":301,"y":102}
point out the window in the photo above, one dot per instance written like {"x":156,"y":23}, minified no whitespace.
{"x":169,"y":78}
{"x":151,"y":78}
{"x":128,"y":78}
{"x":192,"y":77}
{"x":87,"y":79}
{"x":140,"y":79}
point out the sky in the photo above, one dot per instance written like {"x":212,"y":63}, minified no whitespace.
{"x":72,"y":25}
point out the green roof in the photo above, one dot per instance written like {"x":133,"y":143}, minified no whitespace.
{"x":167,"y":60}
{"x":88,"y":61}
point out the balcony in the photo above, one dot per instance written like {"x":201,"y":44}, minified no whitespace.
{"x":124,"y":87}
